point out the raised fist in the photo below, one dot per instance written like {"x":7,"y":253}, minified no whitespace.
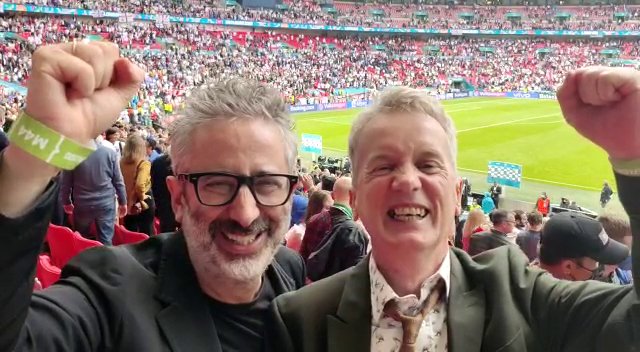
{"x":603,"y":104}
{"x":79,"y":89}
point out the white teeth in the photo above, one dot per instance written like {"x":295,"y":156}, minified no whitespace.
{"x":243,"y":240}
{"x":414,"y":211}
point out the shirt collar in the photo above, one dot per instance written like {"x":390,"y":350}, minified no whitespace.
{"x":381,"y":291}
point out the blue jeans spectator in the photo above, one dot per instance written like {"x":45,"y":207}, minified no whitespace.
{"x":103,"y":217}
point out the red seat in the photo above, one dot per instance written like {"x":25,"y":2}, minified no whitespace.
{"x":123,"y":236}
{"x":46,"y":272}
{"x":66,"y":244}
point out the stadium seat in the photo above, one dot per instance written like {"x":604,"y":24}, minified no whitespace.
{"x":46,"y":272}
{"x":65,"y":244}
{"x":123,"y":236}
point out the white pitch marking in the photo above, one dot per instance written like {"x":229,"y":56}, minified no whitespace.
{"x":507,"y":122}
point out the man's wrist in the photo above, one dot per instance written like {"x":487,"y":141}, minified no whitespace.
{"x":23,"y":178}
{"x":26,"y":166}
{"x":626,"y":167}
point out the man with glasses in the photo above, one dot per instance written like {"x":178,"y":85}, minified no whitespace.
{"x":572,"y":245}
{"x":205,"y":288}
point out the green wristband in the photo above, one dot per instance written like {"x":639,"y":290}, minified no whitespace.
{"x":46,"y":144}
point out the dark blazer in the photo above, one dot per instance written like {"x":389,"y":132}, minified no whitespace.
{"x":143,"y":297}
{"x":160,"y":170}
{"x":497,"y":303}
{"x":484,"y":241}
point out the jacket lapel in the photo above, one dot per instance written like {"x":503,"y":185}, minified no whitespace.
{"x":350,"y":328}
{"x":186,"y":319}
{"x":466,"y":309}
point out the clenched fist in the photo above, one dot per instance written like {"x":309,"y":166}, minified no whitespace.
{"x":79,"y":89}
{"x":603,"y":104}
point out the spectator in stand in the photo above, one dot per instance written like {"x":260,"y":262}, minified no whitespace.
{"x":618,"y":229}
{"x":89,"y":193}
{"x":529,"y":239}
{"x":136,"y":170}
{"x":160,"y":170}
{"x":487,"y":203}
{"x":111,"y":136}
{"x":503,"y":224}
{"x":521,"y":220}
{"x":151,"y":145}
{"x":343,"y":244}
{"x":318,"y":201}
{"x":476,"y":222}
{"x":319,"y":226}
{"x":572,"y":245}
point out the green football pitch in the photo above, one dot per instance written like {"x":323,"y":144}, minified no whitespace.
{"x":531,"y":133}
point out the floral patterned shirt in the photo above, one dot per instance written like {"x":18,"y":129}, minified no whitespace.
{"x":386,"y":333}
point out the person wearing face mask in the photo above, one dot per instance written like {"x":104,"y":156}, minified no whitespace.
{"x":572,"y":246}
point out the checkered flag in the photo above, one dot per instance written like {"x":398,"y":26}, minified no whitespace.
{"x":505,"y":174}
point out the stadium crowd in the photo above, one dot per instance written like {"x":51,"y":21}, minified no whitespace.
{"x":306,"y":68}
{"x":121,"y":189}
{"x":385,"y":15}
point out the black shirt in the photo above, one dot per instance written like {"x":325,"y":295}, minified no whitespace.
{"x":241,"y":327}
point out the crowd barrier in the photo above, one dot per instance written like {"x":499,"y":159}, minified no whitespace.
{"x":447,"y":96}
{"x":130,"y":17}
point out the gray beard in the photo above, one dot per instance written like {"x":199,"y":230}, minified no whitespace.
{"x":208,"y":259}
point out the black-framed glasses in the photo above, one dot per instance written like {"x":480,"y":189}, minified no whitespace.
{"x":220,"y":188}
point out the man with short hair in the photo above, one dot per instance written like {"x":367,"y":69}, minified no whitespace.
{"x":529,"y":239}
{"x":496,"y":192}
{"x":111,"y":140}
{"x":572,"y":245}
{"x":343,"y":243}
{"x":89,"y":193}
{"x":151,"y":149}
{"x":503,"y":224}
{"x":321,"y":225}
{"x":414,"y":292}
{"x":619,"y":229}
{"x":205,"y":288}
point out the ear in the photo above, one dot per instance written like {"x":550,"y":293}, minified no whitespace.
{"x":458,"y":193}
{"x":176,"y":188}
{"x":352,"y":204}
{"x":567,"y":267}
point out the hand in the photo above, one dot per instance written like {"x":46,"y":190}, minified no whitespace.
{"x":307,"y":181}
{"x":122,"y":211}
{"x":76,"y":92}
{"x":79,"y":89}
{"x":68,"y":209}
{"x":603,"y":105}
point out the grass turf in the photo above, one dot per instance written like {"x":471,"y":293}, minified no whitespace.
{"x":531,"y":133}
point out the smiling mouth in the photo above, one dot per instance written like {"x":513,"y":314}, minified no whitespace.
{"x":408,"y":213}
{"x":243,"y":240}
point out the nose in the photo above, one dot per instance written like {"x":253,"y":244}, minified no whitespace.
{"x":407,"y":179}
{"x":244,"y":208}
